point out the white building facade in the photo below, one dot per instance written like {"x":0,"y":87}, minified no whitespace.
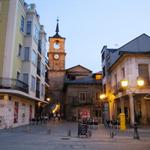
{"x":22,"y":66}
{"x":130,"y":62}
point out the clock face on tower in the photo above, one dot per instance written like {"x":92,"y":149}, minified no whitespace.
{"x":56,"y":56}
{"x":56,"y":45}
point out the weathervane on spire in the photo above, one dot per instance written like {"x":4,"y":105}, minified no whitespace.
{"x":57,"y":26}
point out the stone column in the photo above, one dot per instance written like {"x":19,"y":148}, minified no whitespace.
{"x":144,"y":111}
{"x":132,"y":115}
{"x":122,"y":104}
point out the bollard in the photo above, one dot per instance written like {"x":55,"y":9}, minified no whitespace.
{"x":28,"y":129}
{"x":111,"y":130}
{"x":69,"y":132}
{"x":49,"y":131}
{"x":136,"y":134}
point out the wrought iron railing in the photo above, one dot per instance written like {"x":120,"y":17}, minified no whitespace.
{"x":78,"y":102}
{"x":14,"y":84}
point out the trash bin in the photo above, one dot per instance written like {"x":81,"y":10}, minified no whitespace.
{"x":82,"y":129}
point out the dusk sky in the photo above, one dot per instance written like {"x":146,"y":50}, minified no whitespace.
{"x":88,"y":25}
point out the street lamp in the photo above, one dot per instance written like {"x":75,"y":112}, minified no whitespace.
{"x":48,"y":99}
{"x":140,"y":82}
{"x":102,"y":96}
{"x":124,"y":85}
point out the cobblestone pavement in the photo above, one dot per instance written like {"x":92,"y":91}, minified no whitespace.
{"x":54,"y":135}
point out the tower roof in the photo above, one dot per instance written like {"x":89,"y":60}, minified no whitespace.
{"x":57,"y":30}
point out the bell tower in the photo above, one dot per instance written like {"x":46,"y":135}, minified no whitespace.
{"x":56,"y":73}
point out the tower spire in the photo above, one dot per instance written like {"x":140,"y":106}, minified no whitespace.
{"x":57,"y":26}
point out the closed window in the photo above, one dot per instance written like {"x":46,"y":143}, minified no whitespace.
{"x":97,"y":95}
{"x":115,"y":81}
{"x":104,"y":71}
{"x":144,"y":73}
{"x":26,"y":53}
{"x":42,"y":90}
{"x":19,"y":50}
{"x":36,"y":33}
{"x":83,"y":96}
{"x":123,"y":72}
{"x":29,"y":25}
{"x":25,"y":78}
{"x":43,"y":70}
{"x":18,"y":75}
{"x":22,"y":24}
{"x":34,"y":57}
{"x":32,"y":83}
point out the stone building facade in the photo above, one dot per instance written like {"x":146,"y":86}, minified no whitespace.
{"x":67,"y":86}
{"x":82,"y":90}
{"x":129,"y":62}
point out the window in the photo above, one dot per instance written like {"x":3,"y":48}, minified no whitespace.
{"x":19,"y":50}
{"x":144,"y":73}
{"x":104,"y":88}
{"x":123,"y":72}
{"x":43,"y":70}
{"x":33,"y":83}
{"x":18,"y":75}
{"x":34,"y":57}
{"x":42,"y":90}
{"x":97,"y":95}
{"x":103,"y":71}
{"x":25,"y":78}
{"x":83,"y":96}
{"x":26,"y":53}
{"x":36,"y":33}
{"x":29,"y":25}
{"x":22,"y":24}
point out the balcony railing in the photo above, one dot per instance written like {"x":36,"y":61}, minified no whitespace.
{"x":14,"y":84}
{"x":78,"y":102}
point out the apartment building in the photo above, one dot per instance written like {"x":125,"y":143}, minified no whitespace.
{"x":128,"y":63}
{"x":22,"y":62}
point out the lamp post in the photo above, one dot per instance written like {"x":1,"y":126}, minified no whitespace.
{"x":124,"y":84}
{"x":105,"y":110}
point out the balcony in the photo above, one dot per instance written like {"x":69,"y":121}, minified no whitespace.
{"x":76,"y":102}
{"x":13,"y":84}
